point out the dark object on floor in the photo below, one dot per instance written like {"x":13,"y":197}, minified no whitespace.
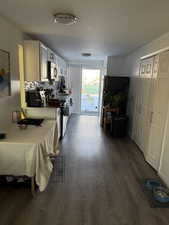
{"x":149,"y":194}
{"x":2,"y":136}
{"x":119,"y":126}
{"x":15,"y":182}
{"x":35,"y":122}
{"x":161,"y":194}
{"x":151,"y":184}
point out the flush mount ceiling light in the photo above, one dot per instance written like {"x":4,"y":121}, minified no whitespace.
{"x":65,"y":18}
{"x":86,"y":54}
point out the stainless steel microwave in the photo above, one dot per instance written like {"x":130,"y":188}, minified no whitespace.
{"x":52,"y":70}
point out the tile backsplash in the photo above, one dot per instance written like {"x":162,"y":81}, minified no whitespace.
{"x":42,"y":85}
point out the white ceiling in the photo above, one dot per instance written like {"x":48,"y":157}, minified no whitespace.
{"x":106,"y":27}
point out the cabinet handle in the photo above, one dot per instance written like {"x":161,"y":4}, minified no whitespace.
{"x":151,"y":117}
{"x":148,"y":68}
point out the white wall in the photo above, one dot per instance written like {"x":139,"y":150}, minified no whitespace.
{"x":128,"y":65}
{"x":116,"y":66}
{"x":131,"y":68}
{"x":132,"y":60}
{"x":10,"y":37}
{"x":74,"y":72}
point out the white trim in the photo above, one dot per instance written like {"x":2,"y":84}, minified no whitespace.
{"x":118,"y":75}
{"x":155,"y":53}
{"x":80,"y":101}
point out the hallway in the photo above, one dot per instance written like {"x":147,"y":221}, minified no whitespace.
{"x":100,"y":185}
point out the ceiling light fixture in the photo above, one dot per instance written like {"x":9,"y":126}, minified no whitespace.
{"x":65,"y":18}
{"x":86,"y":54}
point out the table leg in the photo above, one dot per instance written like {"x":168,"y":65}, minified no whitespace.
{"x":33,"y":186}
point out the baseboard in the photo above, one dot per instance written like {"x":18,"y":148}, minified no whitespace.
{"x":164,"y":177}
{"x":152,"y":162}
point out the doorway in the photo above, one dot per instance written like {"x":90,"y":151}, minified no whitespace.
{"x":90,"y":91}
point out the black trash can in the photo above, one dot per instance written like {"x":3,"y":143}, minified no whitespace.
{"x":119,"y":126}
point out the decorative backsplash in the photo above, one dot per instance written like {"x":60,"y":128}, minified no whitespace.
{"x":42,"y":85}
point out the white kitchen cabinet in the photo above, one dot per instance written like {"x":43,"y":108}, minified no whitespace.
{"x":35,"y":61}
{"x":43,"y":62}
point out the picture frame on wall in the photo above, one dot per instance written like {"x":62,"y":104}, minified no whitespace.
{"x":5,"y":79}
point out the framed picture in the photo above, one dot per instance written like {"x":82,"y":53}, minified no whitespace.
{"x":5,"y":81}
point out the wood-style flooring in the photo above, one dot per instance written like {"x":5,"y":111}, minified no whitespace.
{"x":99,"y":186}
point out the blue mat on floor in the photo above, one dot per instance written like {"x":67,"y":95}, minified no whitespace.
{"x":152,"y":201}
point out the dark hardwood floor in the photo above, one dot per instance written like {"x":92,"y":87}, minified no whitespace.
{"x":99,"y":186}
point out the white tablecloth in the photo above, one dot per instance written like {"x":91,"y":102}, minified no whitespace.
{"x":25,"y":152}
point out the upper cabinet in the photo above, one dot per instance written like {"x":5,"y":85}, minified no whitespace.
{"x":37,"y":60}
{"x":43,"y":62}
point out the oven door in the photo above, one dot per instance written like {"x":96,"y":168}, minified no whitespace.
{"x":64,"y":119}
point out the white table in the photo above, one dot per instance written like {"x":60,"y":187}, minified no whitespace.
{"x":26,"y":152}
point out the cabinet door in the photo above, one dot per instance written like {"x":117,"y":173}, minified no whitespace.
{"x":43,"y":62}
{"x":142,"y":105}
{"x":160,"y":97}
{"x":31,"y":60}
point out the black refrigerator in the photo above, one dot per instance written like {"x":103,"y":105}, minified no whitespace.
{"x":115,"y":87}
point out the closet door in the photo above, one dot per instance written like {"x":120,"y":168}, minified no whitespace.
{"x":159,"y":106}
{"x":146,"y":109}
{"x":137,"y":111}
{"x":142,"y":125}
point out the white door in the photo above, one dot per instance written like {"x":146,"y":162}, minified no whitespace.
{"x":160,"y":96}
{"x":141,"y":121}
{"x":90,"y":91}
{"x":145,"y":104}
{"x":137,"y":113}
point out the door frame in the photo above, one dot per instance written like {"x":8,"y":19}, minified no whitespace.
{"x":91,"y":67}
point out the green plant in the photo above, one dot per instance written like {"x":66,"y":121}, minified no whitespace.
{"x":115,"y":100}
